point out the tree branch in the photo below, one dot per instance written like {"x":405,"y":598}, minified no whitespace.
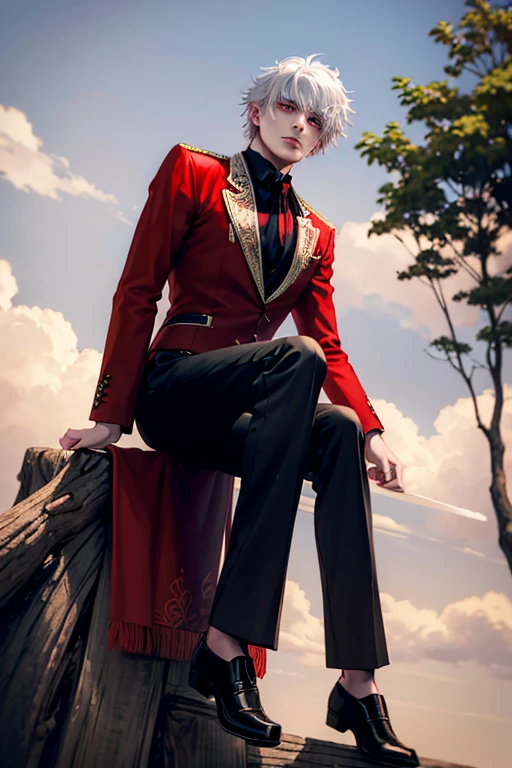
{"x":462,"y":371}
{"x":463,"y":263}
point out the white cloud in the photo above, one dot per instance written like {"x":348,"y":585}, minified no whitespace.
{"x":477,"y":629}
{"x":8,"y":285}
{"x":300,"y":630}
{"x":46,"y":384}
{"x":365,"y":276}
{"x":453,"y":465}
{"x":285,"y":672}
{"x":470,"y":551}
{"x":28,"y":168}
{"x":390,"y":526}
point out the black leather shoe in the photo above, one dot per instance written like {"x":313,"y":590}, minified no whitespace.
{"x":368,"y":719}
{"x":233,"y":685}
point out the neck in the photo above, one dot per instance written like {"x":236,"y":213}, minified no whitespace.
{"x":282,"y":165}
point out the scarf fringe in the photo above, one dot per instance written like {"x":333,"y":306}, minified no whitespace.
{"x":169,"y":643}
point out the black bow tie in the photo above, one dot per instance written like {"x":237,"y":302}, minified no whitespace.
{"x":274,"y":179}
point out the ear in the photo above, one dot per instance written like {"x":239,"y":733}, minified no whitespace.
{"x":314,"y":149}
{"x":254,"y":113}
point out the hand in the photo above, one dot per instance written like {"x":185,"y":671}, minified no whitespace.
{"x":389,"y":471}
{"x":95,"y":437}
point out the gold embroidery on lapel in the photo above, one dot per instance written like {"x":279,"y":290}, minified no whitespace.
{"x":231,"y":233}
{"x":310,"y":209}
{"x":241,"y":208}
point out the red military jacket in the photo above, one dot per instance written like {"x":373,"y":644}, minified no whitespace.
{"x":199,"y":232}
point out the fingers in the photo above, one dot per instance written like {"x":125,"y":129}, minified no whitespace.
{"x":73,"y":438}
{"x":96,"y":437}
{"x":69,"y":443}
{"x":373,"y":473}
{"x":392,"y":485}
{"x":400,"y":472}
{"x":392,"y":479}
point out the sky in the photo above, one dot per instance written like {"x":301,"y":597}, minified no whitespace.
{"x":92,"y":97}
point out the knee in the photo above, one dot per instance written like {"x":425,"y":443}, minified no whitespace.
{"x":308,"y":348}
{"x":344,"y":419}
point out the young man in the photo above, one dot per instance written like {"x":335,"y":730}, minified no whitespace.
{"x":241,"y":250}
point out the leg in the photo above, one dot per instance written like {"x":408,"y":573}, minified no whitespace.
{"x":275,"y":459}
{"x":343,"y":528}
{"x":201,"y":401}
{"x":190,"y":408}
{"x":354,"y":630}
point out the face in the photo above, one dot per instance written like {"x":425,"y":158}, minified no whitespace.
{"x":275,"y":136}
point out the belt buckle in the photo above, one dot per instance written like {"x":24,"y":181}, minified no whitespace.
{"x":193,"y":318}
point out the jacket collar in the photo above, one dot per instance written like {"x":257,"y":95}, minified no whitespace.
{"x":242,"y":212}
{"x":263,"y":172}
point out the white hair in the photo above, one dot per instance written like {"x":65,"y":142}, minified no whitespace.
{"x":311,"y":85}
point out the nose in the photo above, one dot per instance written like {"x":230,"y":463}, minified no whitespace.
{"x":300,"y":120}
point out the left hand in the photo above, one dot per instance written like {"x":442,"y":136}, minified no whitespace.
{"x":389,"y":470}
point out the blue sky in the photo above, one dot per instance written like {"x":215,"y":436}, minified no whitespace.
{"x":112,"y":87}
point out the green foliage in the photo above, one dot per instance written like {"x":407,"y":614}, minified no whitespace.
{"x":450,"y":346}
{"x":502,"y":334}
{"x":495,"y":292}
{"x":430,"y":264}
{"x":452,"y":194}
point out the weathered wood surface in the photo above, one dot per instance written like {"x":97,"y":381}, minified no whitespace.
{"x":188,"y":733}
{"x":66,"y":701}
{"x":40,"y":465}
{"x":116,"y":703}
{"x":36,"y":641}
{"x":302,"y":752}
{"x":52,"y":544}
{"x":61,"y":509}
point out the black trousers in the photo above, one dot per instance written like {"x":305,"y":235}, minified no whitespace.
{"x":252,"y":411}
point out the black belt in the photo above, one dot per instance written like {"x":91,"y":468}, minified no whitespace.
{"x":190,"y":318}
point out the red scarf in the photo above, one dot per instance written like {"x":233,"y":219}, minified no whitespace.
{"x":168,"y":523}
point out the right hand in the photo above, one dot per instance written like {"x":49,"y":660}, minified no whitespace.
{"x":95,"y":437}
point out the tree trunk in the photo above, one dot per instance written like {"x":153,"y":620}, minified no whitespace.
{"x":499,"y":495}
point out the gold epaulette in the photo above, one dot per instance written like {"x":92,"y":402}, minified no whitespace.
{"x":307,"y":205}
{"x":204,"y":151}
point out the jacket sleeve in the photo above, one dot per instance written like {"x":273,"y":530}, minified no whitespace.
{"x":163,"y":223}
{"x":315,"y":316}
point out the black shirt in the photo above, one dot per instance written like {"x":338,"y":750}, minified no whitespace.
{"x":277,"y":211}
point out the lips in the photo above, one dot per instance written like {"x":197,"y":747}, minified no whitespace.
{"x":292,"y":140}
